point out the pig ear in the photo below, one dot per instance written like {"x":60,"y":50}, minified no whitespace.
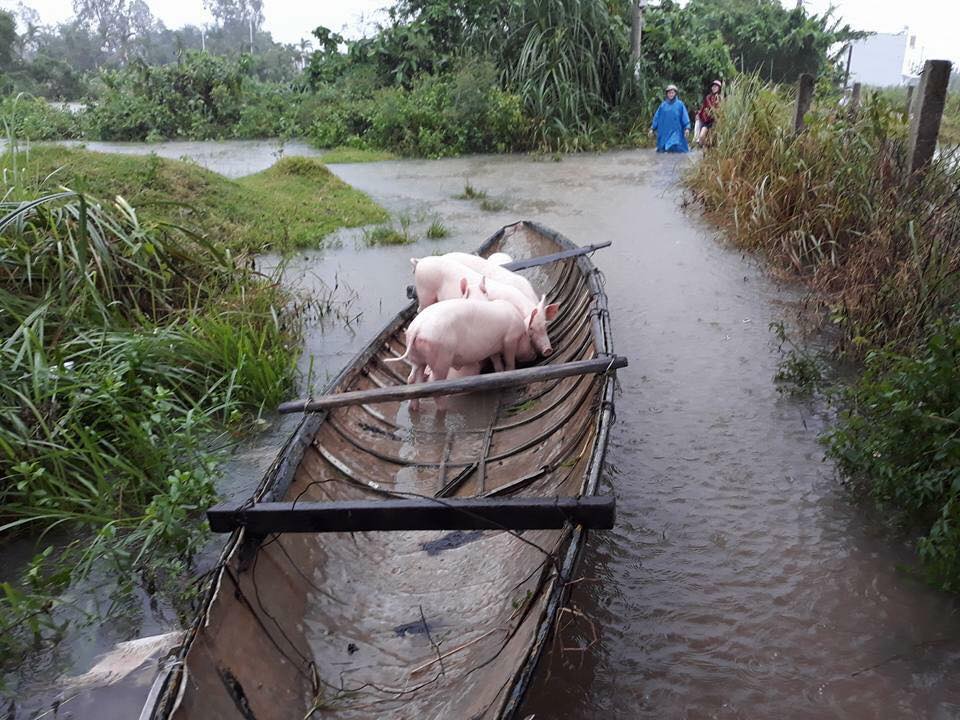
{"x":533,"y":314}
{"x":550,"y":312}
{"x":414,"y":261}
{"x":464,"y":287}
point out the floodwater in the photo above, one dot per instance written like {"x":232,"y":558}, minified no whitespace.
{"x":741,"y":580}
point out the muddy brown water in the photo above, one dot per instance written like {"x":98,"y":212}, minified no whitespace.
{"x":741,"y":581}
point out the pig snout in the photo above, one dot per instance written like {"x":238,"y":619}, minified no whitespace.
{"x":547,"y":351}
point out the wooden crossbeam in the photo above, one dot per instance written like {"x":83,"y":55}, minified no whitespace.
{"x":539,"y":260}
{"x":491,"y":381}
{"x":416,"y":514}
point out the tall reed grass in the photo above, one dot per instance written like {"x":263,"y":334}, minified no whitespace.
{"x":880,"y":251}
{"x":131,"y":353}
{"x":833,"y":206}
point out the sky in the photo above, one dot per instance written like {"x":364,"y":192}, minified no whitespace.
{"x":933,"y":21}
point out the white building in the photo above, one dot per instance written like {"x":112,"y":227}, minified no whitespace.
{"x":885,"y":59}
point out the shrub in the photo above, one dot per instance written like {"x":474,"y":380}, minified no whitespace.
{"x":900,"y":436}
{"x":32,"y":118}
{"x":203,"y":97}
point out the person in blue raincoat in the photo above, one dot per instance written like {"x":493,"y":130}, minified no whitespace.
{"x":671,"y":122}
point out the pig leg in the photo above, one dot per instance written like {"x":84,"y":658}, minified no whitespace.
{"x":439,"y":371}
{"x":417,"y":375}
{"x":510,"y":355}
{"x":497,"y":362}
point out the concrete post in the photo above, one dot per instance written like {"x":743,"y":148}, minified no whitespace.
{"x":928,"y":102}
{"x":906,"y":110}
{"x":804,"y":98}
{"x":855,"y":98}
{"x":636,"y":30}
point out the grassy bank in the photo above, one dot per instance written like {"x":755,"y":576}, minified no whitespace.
{"x":881,"y":255}
{"x":295,"y":203}
{"x":136,"y":350}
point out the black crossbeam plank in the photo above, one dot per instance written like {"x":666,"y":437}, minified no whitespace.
{"x":415,"y":514}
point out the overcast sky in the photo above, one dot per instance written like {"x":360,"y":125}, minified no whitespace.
{"x":935,"y":22}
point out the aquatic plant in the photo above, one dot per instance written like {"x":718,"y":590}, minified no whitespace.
{"x":437,"y":230}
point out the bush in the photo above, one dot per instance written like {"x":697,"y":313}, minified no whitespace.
{"x":32,"y":118}
{"x":204,"y":97}
{"x":900,"y":437}
{"x":442,"y":116}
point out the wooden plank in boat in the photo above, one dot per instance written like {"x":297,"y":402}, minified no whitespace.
{"x":527,"y":513}
{"x":493,"y":381}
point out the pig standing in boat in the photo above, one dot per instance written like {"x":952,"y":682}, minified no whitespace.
{"x":457,"y":333}
{"x":445,"y":277}
{"x":438,"y":277}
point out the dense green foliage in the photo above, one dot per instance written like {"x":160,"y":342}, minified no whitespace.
{"x":33,"y":118}
{"x":766,"y":39}
{"x":129,"y":346}
{"x":61,"y":62}
{"x":139,"y":342}
{"x":900,"y":435}
{"x":435,"y":80}
{"x":833,"y":207}
{"x":202,"y":97}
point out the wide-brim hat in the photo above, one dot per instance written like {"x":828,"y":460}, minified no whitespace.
{"x":716,"y":82}
{"x":672,"y":87}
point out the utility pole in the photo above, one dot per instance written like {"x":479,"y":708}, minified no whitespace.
{"x":203,"y":39}
{"x":250,"y":20}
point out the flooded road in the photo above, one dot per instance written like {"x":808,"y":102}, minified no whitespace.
{"x":741,"y":581}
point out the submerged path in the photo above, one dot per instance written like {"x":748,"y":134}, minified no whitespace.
{"x":741,"y":581}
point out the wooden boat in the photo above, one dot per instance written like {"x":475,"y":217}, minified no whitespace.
{"x":413,"y":624}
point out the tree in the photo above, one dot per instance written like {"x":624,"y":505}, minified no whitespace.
{"x":115,"y":22}
{"x":768,"y":39}
{"x":8,"y":41}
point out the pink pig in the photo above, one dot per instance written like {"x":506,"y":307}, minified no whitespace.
{"x":439,"y":278}
{"x":536,"y":315}
{"x":457,"y":333}
{"x":494,"y":271}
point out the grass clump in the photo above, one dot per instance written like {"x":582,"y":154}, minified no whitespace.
{"x":386,"y":235}
{"x":470,"y":193}
{"x":492,"y":205}
{"x":295,"y":203}
{"x":437,"y":230}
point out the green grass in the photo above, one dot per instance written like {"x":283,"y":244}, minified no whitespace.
{"x":344,"y":154}
{"x":386,"y":235}
{"x":135,"y":352}
{"x":296,"y":203}
{"x":470,"y":193}
{"x":437,"y":230}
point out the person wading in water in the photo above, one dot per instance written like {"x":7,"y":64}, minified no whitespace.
{"x":671,"y":123}
{"x":707,"y":110}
